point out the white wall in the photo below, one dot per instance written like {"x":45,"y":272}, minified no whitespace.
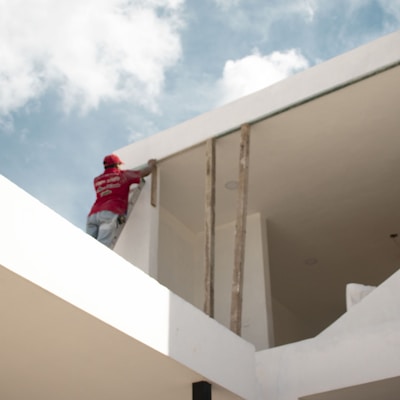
{"x":181,"y":269}
{"x":176,"y":257}
{"x":254,"y":312}
{"x":138,"y":241}
{"x":287,"y":326}
{"x":361,"y":346}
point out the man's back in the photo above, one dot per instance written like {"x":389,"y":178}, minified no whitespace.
{"x":112,"y":190}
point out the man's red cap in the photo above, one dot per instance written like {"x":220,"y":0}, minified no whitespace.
{"x":111,"y":159}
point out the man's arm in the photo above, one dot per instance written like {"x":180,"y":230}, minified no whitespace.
{"x":149,"y":169}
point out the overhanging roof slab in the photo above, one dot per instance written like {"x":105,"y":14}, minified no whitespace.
{"x":321,"y":79}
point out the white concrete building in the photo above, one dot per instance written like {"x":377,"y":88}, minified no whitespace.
{"x":83,"y":322}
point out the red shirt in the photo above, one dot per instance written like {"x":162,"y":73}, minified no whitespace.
{"x":112,"y":190}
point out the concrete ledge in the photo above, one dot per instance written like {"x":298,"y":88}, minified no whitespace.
{"x":42,"y":247}
{"x":360,"y":347}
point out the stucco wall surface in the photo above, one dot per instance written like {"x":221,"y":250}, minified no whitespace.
{"x":362,"y":346}
{"x":42,"y":247}
{"x":181,"y":268}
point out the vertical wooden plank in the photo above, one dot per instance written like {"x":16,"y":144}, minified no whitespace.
{"x":240,"y":231}
{"x":209,"y":228}
{"x":154,"y":181}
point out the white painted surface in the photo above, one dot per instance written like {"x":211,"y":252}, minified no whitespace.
{"x":362,"y":346}
{"x":138,"y":242}
{"x":42,"y":247}
{"x":355,"y":292}
{"x":254,"y":312}
{"x":267,"y":282}
{"x":177,"y":266}
{"x":182,"y":270}
{"x":288,"y":325}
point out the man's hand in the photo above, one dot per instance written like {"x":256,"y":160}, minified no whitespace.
{"x":152,"y":163}
{"x":149,"y":169}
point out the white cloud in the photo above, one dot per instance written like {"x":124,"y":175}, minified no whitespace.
{"x":258,"y":15}
{"x":255,"y":72}
{"x":310,"y":8}
{"x":392,"y":7}
{"x":227,"y":4}
{"x":6,"y":124}
{"x":89,"y":50}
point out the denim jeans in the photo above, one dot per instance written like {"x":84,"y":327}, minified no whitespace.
{"x":102,"y":226}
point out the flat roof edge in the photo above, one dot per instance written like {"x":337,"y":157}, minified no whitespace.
{"x":334,"y":74}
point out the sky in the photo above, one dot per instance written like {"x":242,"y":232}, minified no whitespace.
{"x":82,"y":78}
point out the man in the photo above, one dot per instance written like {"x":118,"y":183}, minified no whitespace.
{"x":112,"y":196}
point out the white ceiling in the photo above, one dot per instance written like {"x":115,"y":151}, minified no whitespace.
{"x":51,"y":350}
{"x":326,"y":176}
